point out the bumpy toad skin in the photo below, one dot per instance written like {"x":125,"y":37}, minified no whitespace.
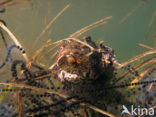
{"x":76,"y":64}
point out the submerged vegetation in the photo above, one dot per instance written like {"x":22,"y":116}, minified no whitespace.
{"x":84,"y":80}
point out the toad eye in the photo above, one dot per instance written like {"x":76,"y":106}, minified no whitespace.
{"x":71,"y":59}
{"x":79,"y":62}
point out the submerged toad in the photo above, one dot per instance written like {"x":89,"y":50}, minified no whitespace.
{"x":86,"y":70}
{"x":80,"y":60}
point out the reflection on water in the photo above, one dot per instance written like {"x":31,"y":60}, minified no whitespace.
{"x":133,"y":22}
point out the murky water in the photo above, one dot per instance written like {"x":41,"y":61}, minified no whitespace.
{"x":129,"y":26}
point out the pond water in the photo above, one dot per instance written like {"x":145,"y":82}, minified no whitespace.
{"x":123,"y":32}
{"x":133,"y":22}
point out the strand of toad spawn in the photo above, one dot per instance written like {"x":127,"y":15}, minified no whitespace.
{"x":17,"y":45}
